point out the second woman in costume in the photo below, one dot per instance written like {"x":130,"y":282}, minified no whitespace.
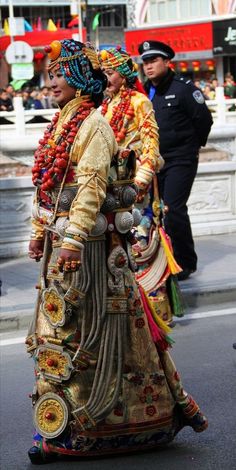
{"x":131,"y":116}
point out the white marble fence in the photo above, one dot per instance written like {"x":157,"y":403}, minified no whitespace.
{"x":212,"y":206}
{"x":22,"y":135}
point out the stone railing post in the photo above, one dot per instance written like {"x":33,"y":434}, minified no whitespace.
{"x":20,"y":116}
{"x":221,"y":108}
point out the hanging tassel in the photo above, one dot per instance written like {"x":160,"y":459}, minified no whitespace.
{"x":159,"y":336}
{"x":165,"y":241}
{"x":161,"y":323}
{"x":175,"y":296}
{"x":139,"y":87}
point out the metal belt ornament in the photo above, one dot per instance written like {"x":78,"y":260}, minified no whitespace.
{"x":54,"y":307}
{"x":53,"y":363}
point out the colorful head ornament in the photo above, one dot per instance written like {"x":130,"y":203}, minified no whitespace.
{"x":78,"y":63}
{"x":119,"y":60}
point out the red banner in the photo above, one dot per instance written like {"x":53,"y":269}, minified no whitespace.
{"x":182,"y":38}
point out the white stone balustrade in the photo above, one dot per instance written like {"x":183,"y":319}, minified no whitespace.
{"x":212,"y":202}
{"x":22,"y":135}
{"x":16,"y":197}
{"x":212,"y":206}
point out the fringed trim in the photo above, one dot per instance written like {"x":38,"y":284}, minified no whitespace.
{"x":166,"y":243}
{"x":157,"y":327}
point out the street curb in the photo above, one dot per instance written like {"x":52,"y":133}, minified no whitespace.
{"x":207,"y":296}
{"x":14,"y":322}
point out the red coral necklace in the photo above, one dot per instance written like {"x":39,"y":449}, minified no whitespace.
{"x":52,"y":159}
{"x":122,"y":113}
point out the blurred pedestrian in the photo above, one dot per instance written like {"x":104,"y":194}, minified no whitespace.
{"x":46,"y":98}
{"x":28,"y":102}
{"x":230,"y":89}
{"x":208,"y":92}
{"x":229,"y":86}
{"x":184,"y":123}
{"x":214,"y":84}
{"x":6,"y":103}
{"x":36,"y":98}
{"x":10,"y":90}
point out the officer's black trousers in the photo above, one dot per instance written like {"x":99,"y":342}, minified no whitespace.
{"x":175,"y":183}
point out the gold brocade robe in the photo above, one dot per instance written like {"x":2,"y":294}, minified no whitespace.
{"x":101,"y":380}
{"x":141,"y":136}
{"x":91,"y":156}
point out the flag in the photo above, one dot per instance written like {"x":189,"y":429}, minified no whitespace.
{"x":51,"y":26}
{"x":58,"y":25}
{"x":34,"y":25}
{"x":27,"y":26}
{"x":73,"y":22}
{"x":95,"y":22}
{"x":39,"y":24}
{"x":6,"y":28}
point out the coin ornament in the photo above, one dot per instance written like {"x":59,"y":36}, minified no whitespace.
{"x":51,"y":415}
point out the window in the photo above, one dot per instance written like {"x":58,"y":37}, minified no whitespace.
{"x":164,"y":10}
{"x":172,"y":9}
{"x":32,"y":13}
{"x":161,"y":10}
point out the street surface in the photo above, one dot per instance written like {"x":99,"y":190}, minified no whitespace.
{"x":204,"y":355}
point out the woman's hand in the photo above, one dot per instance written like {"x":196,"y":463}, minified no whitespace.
{"x":36,"y":249}
{"x":69,"y":260}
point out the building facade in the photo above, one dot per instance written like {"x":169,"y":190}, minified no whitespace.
{"x":203,"y":33}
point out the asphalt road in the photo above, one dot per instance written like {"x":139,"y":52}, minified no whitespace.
{"x":207,"y":362}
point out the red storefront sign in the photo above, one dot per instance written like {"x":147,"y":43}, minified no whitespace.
{"x":182,"y":38}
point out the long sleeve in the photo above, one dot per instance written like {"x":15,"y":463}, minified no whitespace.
{"x":37,"y":232}
{"x":149,"y":142}
{"x":93,"y":151}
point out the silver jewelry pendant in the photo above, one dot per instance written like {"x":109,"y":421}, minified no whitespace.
{"x":66,"y":198}
{"x":124,"y":221}
{"x":100,"y":226}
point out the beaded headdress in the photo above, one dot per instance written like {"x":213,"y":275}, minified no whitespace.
{"x":119,"y":60}
{"x":76,"y":61}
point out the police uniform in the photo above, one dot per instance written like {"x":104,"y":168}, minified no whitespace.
{"x":184,"y":123}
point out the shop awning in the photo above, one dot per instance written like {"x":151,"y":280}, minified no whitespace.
{"x":38,"y":39}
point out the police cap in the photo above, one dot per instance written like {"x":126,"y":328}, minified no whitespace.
{"x":151,"y":49}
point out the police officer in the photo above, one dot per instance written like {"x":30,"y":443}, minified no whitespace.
{"x":184,"y":124}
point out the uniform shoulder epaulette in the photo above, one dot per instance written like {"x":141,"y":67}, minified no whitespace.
{"x":184,"y":80}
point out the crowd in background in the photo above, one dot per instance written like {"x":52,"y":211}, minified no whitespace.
{"x":33,"y":98}
{"x":41,"y":98}
{"x":208,"y":87}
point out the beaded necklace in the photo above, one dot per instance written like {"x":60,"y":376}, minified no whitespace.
{"x":122,"y":113}
{"x":52,"y":158}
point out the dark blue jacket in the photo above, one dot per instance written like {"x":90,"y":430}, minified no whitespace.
{"x":182,"y":116}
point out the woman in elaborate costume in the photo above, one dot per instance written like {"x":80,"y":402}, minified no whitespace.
{"x":105,"y":381}
{"x":131,"y":116}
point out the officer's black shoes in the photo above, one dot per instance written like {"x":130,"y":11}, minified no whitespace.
{"x":185,"y":274}
{"x":38,"y":457}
